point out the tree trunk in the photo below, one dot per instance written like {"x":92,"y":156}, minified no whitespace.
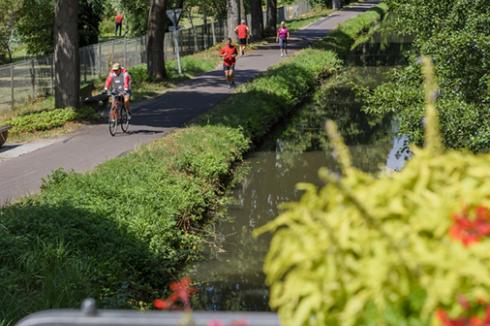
{"x":257,"y":19}
{"x":232,"y":17}
{"x":271,"y":16}
{"x":66,"y":54}
{"x":156,"y":37}
{"x":243,"y":13}
{"x":336,"y":4}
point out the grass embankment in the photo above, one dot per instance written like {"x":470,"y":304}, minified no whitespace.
{"x":122,"y":231}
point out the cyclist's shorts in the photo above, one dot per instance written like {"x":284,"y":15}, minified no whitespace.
{"x":227,"y":68}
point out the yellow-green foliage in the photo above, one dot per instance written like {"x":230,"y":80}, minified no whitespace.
{"x":376,"y":250}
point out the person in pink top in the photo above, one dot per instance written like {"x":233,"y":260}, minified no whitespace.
{"x":282,"y":37}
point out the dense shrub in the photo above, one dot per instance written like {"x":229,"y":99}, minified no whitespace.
{"x":46,"y":120}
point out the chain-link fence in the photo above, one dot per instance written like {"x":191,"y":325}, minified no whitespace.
{"x":30,"y":79}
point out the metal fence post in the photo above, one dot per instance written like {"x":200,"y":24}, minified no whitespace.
{"x":125,"y":52}
{"x":99,"y":59}
{"x":33,"y":79}
{"x":112,"y":54}
{"x":84,"y":65}
{"x":12,"y":93}
{"x":205,"y":35}
{"x":145,"y":51}
{"x":51,"y":63}
{"x":213,"y":31}
{"x":194,"y":37}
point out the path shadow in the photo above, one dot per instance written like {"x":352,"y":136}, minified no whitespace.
{"x":8,"y":147}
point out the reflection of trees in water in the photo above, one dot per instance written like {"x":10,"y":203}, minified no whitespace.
{"x":339,"y":99}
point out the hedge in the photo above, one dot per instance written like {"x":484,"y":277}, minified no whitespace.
{"x":49,"y":119}
{"x":122,"y":231}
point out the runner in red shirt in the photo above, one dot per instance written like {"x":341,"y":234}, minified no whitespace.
{"x":229,"y":53}
{"x":118,"y":20}
{"x":243,"y":34}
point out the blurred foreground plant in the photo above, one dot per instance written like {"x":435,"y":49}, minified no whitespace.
{"x":396,"y":249}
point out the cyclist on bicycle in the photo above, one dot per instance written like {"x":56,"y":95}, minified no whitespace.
{"x":118,"y":82}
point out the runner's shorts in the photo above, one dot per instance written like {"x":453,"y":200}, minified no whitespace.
{"x":226,"y":68}
{"x":283,"y":43}
{"x":242,"y":41}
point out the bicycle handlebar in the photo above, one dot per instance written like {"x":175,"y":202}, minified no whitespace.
{"x":118,"y":93}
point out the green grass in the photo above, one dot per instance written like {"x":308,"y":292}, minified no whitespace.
{"x":121,"y":232}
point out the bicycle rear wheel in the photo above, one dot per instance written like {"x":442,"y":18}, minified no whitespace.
{"x":112,"y":123}
{"x":124,"y":119}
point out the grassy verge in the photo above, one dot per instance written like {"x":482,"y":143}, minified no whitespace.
{"x":122,"y":231}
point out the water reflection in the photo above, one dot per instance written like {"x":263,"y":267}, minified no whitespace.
{"x":232,"y":279}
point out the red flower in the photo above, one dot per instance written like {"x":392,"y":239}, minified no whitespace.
{"x":181,"y":291}
{"x":162,"y":304}
{"x":470,"y":231}
{"x":464,"y":302}
{"x":465,"y":321}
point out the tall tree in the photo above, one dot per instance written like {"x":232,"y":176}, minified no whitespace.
{"x":257,"y":18}
{"x":232,"y":17}
{"x":66,"y":54}
{"x":36,"y":18}
{"x":271,"y":16}
{"x":156,"y":37}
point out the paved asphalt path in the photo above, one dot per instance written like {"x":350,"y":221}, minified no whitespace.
{"x":92,"y":145}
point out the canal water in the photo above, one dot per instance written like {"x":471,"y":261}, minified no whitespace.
{"x":231,"y":277}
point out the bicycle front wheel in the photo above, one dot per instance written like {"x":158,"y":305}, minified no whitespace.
{"x":112,"y":124}
{"x":124,"y":120}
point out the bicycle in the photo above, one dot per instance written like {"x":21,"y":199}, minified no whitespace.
{"x":118,"y":114}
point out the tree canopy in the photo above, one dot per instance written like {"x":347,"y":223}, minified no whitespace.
{"x":456,"y":35}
